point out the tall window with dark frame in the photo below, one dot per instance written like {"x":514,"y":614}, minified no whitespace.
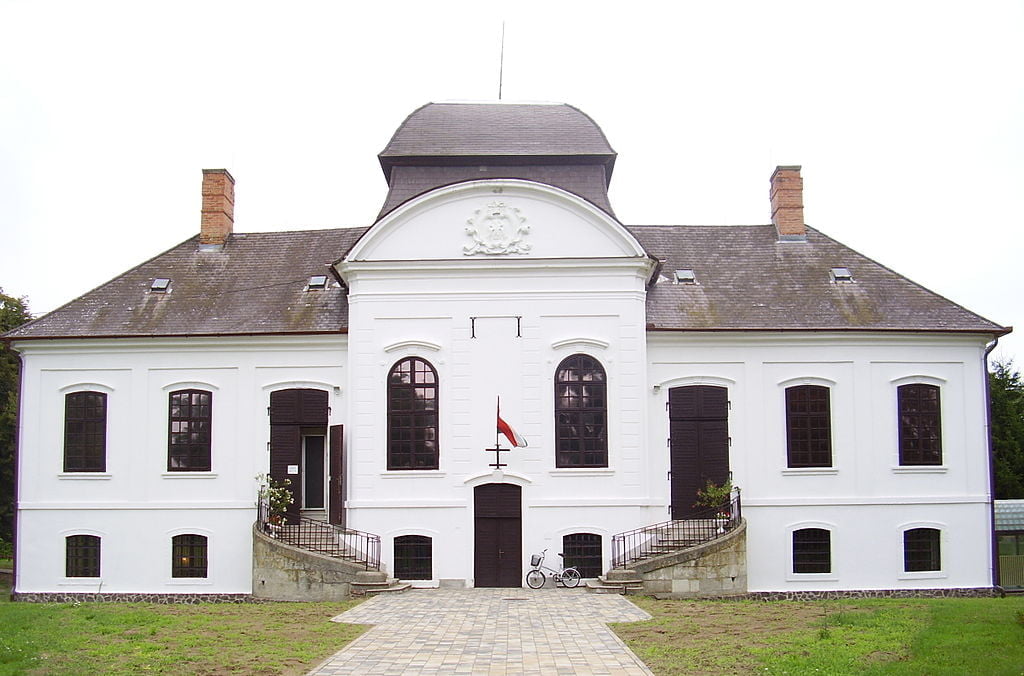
{"x":412,"y":415}
{"x":190,"y":424}
{"x":85,"y":432}
{"x":583,"y":550}
{"x":82,"y":558}
{"x":414,"y":556}
{"x":921,"y":550}
{"x":808,"y":426}
{"x":812,"y":550}
{"x":581,"y":413}
{"x":920,"y":434}
{"x":188,"y":556}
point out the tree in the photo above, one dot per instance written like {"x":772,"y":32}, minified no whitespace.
{"x":1007,"y":397}
{"x":13,"y":312}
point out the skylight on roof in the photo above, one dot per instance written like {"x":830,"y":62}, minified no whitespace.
{"x":841,"y":275}
{"x":685,"y":276}
{"x":160,"y":285}
{"x":317,"y":282}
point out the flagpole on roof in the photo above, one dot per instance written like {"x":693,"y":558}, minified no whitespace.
{"x":497,"y":417}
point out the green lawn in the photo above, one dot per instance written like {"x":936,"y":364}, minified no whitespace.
{"x":137,"y":638}
{"x":905,"y":637}
{"x":872,"y":636}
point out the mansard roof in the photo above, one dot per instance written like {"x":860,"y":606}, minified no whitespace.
{"x":745,"y":280}
{"x":495,"y":130}
{"x":441,"y":144}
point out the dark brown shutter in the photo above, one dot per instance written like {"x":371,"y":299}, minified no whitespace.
{"x":284,"y":407}
{"x":336,"y":490}
{"x":298,"y":407}
{"x":285,"y":449}
{"x":699,"y":443}
{"x":312,"y":407}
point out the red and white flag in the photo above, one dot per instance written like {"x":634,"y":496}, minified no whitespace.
{"x":514,"y":438}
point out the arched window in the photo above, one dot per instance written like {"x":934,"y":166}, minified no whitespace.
{"x":82,"y":556}
{"x":414,"y":557}
{"x":188,"y":556}
{"x":85,"y":432}
{"x":808,"y":426}
{"x":921,"y":550}
{"x":812,"y":550}
{"x":920,"y":424}
{"x":412,"y":415}
{"x":581,"y":413}
{"x":190,"y":421}
{"x":583,"y":550}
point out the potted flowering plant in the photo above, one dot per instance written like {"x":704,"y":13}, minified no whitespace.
{"x":715,"y":495}
{"x":277,"y":497}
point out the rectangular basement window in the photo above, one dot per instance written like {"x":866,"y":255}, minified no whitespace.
{"x":317,"y":282}
{"x":685,"y":276}
{"x":841,"y":275}
{"x":160,"y":285}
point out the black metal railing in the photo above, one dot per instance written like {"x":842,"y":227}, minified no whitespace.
{"x":322,"y":537}
{"x":662,"y":538}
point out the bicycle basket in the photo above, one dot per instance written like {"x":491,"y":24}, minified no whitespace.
{"x":535,"y":559}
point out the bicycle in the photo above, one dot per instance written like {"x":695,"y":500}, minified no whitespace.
{"x":569,"y":577}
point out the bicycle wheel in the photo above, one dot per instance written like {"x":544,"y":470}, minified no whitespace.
{"x":535,"y":579}
{"x":570,"y":577}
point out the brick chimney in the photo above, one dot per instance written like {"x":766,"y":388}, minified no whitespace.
{"x":218,"y":218}
{"x":788,"y":203}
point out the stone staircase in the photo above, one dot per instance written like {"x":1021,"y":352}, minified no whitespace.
{"x":676,"y":566}
{"x":314,"y":561}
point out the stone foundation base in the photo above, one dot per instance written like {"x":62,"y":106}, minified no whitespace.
{"x":86,"y":597}
{"x":874,"y":594}
{"x":963,"y":592}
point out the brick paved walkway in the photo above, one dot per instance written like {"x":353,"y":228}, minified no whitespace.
{"x":488,"y":631}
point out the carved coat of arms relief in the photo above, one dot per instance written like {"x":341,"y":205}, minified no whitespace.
{"x":497,"y":229}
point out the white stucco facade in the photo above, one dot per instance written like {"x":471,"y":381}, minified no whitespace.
{"x":498,"y":325}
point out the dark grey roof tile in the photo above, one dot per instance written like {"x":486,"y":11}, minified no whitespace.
{"x":747,"y":279}
{"x":254,"y":285}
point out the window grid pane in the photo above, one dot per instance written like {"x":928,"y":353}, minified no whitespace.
{"x":414,"y":557}
{"x":921,"y":550}
{"x":808,"y":426}
{"x":581,"y":409}
{"x":583,"y":550}
{"x":812,"y":551}
{"x":189,"y":434}
{"x":412,"y":416}
{"x":188,"y":556}
{"x":85,"y":432}
{"x":920,"y":435}
{"x":83,"y":556}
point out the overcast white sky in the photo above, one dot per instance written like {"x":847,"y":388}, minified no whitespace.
{"x":908,"y":119}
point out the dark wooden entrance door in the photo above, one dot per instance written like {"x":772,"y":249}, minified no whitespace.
{"x":294,"y":413}
{"x":699,"y":442}
{"x":498,"y":548}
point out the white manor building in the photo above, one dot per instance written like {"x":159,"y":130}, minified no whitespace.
{"x":364,"y":364}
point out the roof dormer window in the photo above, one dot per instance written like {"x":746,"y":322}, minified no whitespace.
{"x":317,"y":282}
{"x":841,"y":275}
{"x":160,"y":285}
{"x":685,"y":276}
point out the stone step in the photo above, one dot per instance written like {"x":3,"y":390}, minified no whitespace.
{"x":621,"y":574}
{"x":601,"y":586}
{"x":392,"y":589}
